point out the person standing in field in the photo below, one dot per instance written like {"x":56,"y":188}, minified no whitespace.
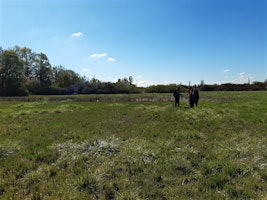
{"x":195,"y":96}
{"x":190,"y":97}
{"x":176,"y":95}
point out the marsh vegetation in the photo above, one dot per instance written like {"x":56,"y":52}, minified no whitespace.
{"x":70,"y":148}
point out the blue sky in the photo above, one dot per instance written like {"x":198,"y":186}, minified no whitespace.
{"x":154,"y":41}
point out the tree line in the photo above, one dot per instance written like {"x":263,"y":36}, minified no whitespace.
{"x":207,"y":87}
{"x":24,"y":72}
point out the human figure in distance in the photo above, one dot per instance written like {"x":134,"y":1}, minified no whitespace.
{"x":195,"y":96}
{"x":190,"y":96}
{"x":176,"y":95}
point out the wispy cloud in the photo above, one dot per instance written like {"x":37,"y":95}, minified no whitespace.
{"x":85,"y":70}
{"x":111,"y":59}
{"x":78,"y":34}
{"x":242,"y":74}
{"x":242,"y":77}
{"x":144,"y":83}
{"x":140,"y":82}
{"x":226,"y":70}
{"x":102,"y":55}
{"x":97,"y":55}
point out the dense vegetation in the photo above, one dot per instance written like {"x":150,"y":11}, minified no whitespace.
{"x":24,"y":72}
{"x":70,"y":149}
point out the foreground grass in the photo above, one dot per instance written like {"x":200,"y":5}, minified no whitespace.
{"x":135,"y":150}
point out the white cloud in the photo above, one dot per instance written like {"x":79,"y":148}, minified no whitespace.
{"x":144,"y":83}
{"x":111,"y":59}
{"x":226,"y":70}
{"x":96,"y":55}
{"x":242,"y":74}
{"x":242,"y":77}
{"x":102,"y":55}
{"x":140,"y":82}
{"x":78,"y":34}
{"x":85,"y":70}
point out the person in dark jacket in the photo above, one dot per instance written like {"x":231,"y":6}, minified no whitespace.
{"x":195,"y":96}
{"x":176,"y":95}
{"x":191,"y":97}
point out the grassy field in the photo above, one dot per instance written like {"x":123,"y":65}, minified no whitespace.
{"x":134,"y":147}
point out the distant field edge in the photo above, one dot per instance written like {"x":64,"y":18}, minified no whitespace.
{"x":93,"y":98}
{"x":146,"y":97}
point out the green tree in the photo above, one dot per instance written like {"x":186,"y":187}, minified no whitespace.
{"x":28,"y":58}
{"x":64,"y":78}
{"x":43,"y":70}
{"x":12,"y":79}
{"x":130,"y":80}
{"x":41,"y":75}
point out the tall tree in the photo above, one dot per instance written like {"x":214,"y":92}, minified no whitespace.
{"x":28,"y":58}
{"x":12,"y":79}
{"x":43,"y":70}
{"x":65,"y":78}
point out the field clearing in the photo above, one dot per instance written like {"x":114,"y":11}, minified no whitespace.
{"x":134,"y":147}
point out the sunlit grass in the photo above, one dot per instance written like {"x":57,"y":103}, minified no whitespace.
{"x":135,"y":150}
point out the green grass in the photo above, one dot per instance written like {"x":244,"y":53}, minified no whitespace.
{"x":73,"y":149}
